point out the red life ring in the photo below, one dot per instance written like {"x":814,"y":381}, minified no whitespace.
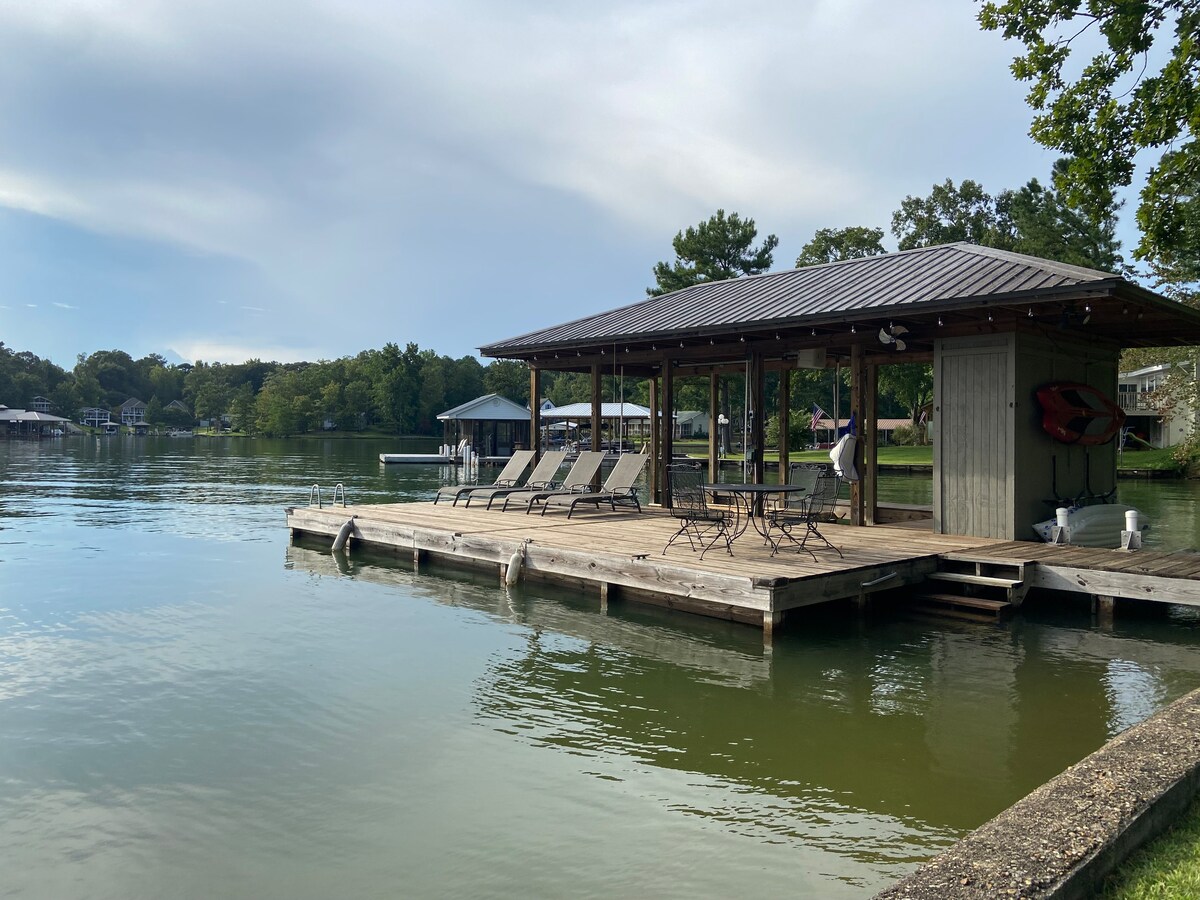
{"x":1079,"y":414}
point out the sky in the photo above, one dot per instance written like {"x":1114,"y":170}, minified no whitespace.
{"x":223,"y":180}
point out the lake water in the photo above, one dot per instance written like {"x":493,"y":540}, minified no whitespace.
{"x":190,"y":707}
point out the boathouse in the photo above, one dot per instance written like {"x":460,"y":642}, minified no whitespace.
{"x":491,"y":424}
{"x":995,"y":325}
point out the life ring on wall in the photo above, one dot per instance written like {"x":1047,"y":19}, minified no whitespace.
{"x":1079,"y":414}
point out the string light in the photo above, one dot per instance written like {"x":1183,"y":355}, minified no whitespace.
{"x":1031,"y":312}
{"x":939,"y":321}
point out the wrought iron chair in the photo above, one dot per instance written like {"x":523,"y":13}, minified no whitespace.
{"x":808,"y":509}
{"x":701,"y":524}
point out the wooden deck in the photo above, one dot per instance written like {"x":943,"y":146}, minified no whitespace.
{"x":623,"y":551}
{"x":1146,"y":574}
{"x":622,"y":554}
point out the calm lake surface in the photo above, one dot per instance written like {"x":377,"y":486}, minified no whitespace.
{"x":190,"y":707}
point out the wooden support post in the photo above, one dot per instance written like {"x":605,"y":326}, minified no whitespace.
{"x":418,"y":558}
{"x":535,"y":411}
{"x":772,"y":619}
{"x":668,"y":426}
{"x":785,"y":421}
{"x":757,"y":431}
{"x":597,"y":409}
{"x":870,"y":441}
{"x":1104,"y":607}
{"x":597,"y":417}
{"x":714,"y":430}
{"x":604,"y":591}
{"x":656,"y":473}
{"x":857,"y":377}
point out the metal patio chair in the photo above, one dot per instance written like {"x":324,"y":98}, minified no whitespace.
{"x":701,"y":524}
{"x":807,"y":510}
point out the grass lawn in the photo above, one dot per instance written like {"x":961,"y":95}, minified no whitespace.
{"x":1165,"y":869}
{"x":1145,"y":460}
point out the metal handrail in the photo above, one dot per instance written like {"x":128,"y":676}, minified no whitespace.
{"x":315,"y":491}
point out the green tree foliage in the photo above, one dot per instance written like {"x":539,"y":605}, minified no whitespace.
{"x":715,"y":250}
{"x":1042,"y":222}
{"x":508,"y":378}
{"x":1104,"y":113}
{"x":1032,"y":219}
{"x":833,"y":244}
{"x":950,"y":213}
{"x":910,"y":385}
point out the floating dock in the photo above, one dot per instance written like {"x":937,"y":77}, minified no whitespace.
{"x":621,"y":555}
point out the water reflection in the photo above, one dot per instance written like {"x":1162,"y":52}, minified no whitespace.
{"x":179,"y":686}
{"x":877,"y":740}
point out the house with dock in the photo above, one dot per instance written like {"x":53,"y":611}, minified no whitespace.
{"x":1137,"y":392}
{"x":998,"y":328}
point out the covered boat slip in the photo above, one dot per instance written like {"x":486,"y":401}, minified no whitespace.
{"x":621,"y":554}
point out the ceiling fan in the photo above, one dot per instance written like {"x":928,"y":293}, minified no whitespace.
{"x":890,"y":334}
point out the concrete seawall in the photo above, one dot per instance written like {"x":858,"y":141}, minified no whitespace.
{"x":1066,"y":836}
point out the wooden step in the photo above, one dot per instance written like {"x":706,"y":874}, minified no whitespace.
{"x":967,"y":578}
{"x":953,"y":612}
{"x":983,"y":603}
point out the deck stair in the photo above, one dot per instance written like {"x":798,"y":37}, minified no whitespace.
{"x":972,"y":588}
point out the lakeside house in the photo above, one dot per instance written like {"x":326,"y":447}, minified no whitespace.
{"x":1158,"y":428}
{"x":94,"y":416}
{"x":40,"y":404}
{"x":29,"y":423}
{"x":132,"y":411}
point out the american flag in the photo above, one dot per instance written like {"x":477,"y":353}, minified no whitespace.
{"x":817,"y":416}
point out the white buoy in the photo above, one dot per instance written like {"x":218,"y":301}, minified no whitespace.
{"x":343,"y":535}
{"x":513,"y":573}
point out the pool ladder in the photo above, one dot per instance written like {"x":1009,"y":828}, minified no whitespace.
{"x":314,"y":493}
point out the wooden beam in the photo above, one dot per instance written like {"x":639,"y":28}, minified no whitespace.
{"x":870,"y":433}
{"x":857,"y":409}
{"x":535,"y":411}
{"x":714,"y":436}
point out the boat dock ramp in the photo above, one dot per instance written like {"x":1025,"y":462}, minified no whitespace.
{"x":620,"y":555}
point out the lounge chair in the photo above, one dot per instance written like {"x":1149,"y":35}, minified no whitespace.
{"x":542,"y":476}
{"x":701,"y":524}
{"x":510,"y":476}
{"x":808,"y":510}
{"x":577,"y":481}
{"x":618,"y":487}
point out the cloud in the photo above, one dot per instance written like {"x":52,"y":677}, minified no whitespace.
{"x":402,"y":160}
{"x":192,"y":349}
{"x":65,"y":306}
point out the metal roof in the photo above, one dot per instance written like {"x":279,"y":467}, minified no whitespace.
{"x":607,"y":411}
{"x":850,"y":290}
{"x":489,"y":407}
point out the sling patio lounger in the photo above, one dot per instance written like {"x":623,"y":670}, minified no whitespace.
{"x":618,"y":488}
{"x":510,"y":476}
{"x":542,"y":477}
{"x":578,"y":481}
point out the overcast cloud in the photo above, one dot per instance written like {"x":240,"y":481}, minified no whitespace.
{"x":221,"y":180}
